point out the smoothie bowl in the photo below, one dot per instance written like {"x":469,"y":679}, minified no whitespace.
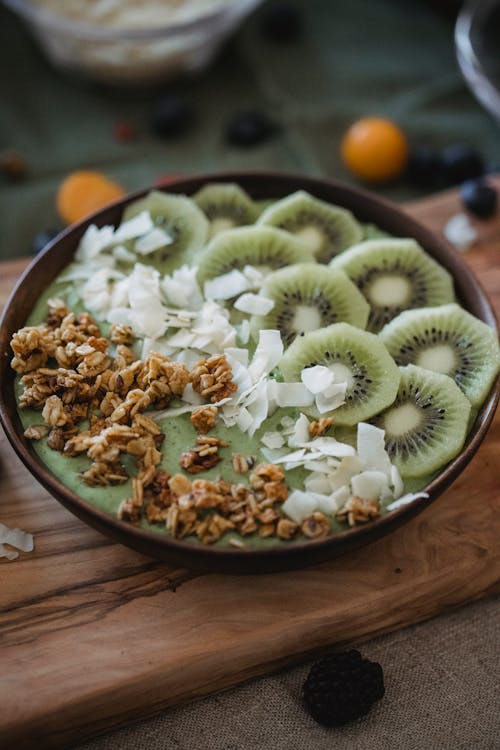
{"x":247,"y":372}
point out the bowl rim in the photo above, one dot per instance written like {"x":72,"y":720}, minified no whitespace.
{"x":49,"y":19}
{"x":226,"y":558}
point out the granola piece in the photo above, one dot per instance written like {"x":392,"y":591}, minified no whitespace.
{"x":120,"y":333}
{"x":180,"y":484}
{"x":54,"y":412}
{"x":58,"y":437}
{"x":124,"y":356}
{"x":109,"y":403}
{"x":358,"y":510}
{"x":266,"y":530}
{"x":213,"y":378}
{"x":121,"y":381}
{"x":315,"y":526}
{"x":32,"y":347}
{"x":206,"y":494}
{"x":102,"y":474}
{"x":94,"y":360}
{"x":320,"y":427}
{"x":36,"y":431}
{"x":129,"y":511}
{"x":212,"y":527}
{"x":157,"y":367}
{"x":135,"y":401}
{"x":203,"y":419}
{"x":179,"y":522}
{"x":57,"y":312}
{"x":241,"y":464}
{"x":286,"y":528}
{"x":192,"y":462}
{"x":268,"y":482}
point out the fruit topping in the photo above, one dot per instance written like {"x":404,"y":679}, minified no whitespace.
{"x":83,"y":192}
{"x":172,"y":116}
{"x":375,"y":149}
{"x":249,"y":128}
{"x":461,"y":162}
{"x":342,"y":687}
{"x":479,"y":198}
{"x":42,"y":239}
{"x":282,"y":22}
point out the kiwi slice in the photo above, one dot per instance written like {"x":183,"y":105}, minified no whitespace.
{"x":426,"y":425}
{"x":450,"y":340}
{"x":355,"y":356}
{"x":373,"y":232}
{"x":308,"y":296}
{"x":395,"y":275}
{"x":266,"y":248}
{"x":325,"y":229}
{"x":225,"y":205}
{"x":181,"y":219}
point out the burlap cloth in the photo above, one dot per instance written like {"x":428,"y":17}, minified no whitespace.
{"x":442,"y":693}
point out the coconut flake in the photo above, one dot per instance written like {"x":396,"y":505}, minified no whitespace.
{"x":254,"y":304}
{"x":181,"y":288}
{"x":134,"y":227}
{"x":254,"y":277}
{"x":371,"y":485}
{"x":288,"y":394}
{"x":332,"y":398}
{"x":300,"y":433}
{"x":267,"y":354}
{"x":460,"y":232}
{"x":227,"y":286}
{"x":244,"y":331}
{"x":397,"y":482}
{"x":93,"y":242}
{"x":317,"y":378}
{"x":272,"y":440}
{"x":371,"y":448}
{"x":148,"y":316}
{"x":121,"y":253}
{"x":300,"y":505}
{"x":152,"y":240}
{"x":17,"y":538}
{"x":329,"y":446}
{"x":408,"y":498}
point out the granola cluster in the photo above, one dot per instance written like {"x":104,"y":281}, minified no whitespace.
{"x":210,"y":509}
{"x":71,"y":373}
{"x":358,"y":510}
{"x":87,"y":383}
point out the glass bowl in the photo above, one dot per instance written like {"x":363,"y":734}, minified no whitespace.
{"x":477,"y":34}
{"x":136,"y":54}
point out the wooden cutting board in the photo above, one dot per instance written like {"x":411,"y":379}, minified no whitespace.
{"x":94,"y":635}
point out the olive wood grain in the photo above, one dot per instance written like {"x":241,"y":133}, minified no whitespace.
{"x":94,"y":635}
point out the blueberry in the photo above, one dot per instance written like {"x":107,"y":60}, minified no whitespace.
{"x":172,"y":116}
{"x":424,"y":167}
{"x":282,"y":22}
{"x":461,"y":162}
{"x":249,"y":128}
{"x":42,"y":239}
{"x":479,"y":198}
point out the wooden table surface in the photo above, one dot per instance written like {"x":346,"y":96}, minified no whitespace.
{"x":94,"y":635}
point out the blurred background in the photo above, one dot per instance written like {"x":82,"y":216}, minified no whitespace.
{"x":225,"y":86}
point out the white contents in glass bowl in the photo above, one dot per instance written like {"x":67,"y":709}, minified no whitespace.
{"x":128,"y":14}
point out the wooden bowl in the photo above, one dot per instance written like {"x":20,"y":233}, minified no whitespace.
{"x":366,"y":207}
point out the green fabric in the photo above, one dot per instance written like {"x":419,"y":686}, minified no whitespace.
{"x":362,"y":57}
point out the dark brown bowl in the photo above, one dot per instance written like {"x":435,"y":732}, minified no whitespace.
{"x":260,"y":185}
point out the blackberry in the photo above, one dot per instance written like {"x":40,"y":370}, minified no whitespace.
{"x":172,"y":116}
{"x":424,"y":166}
{"x":479,"y":198}
{"x":249,"y":128}
{"x":282,"y":22}
{"x":341,"y":687}
{"x":42,"y":239}
{"x":461,"y":162}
